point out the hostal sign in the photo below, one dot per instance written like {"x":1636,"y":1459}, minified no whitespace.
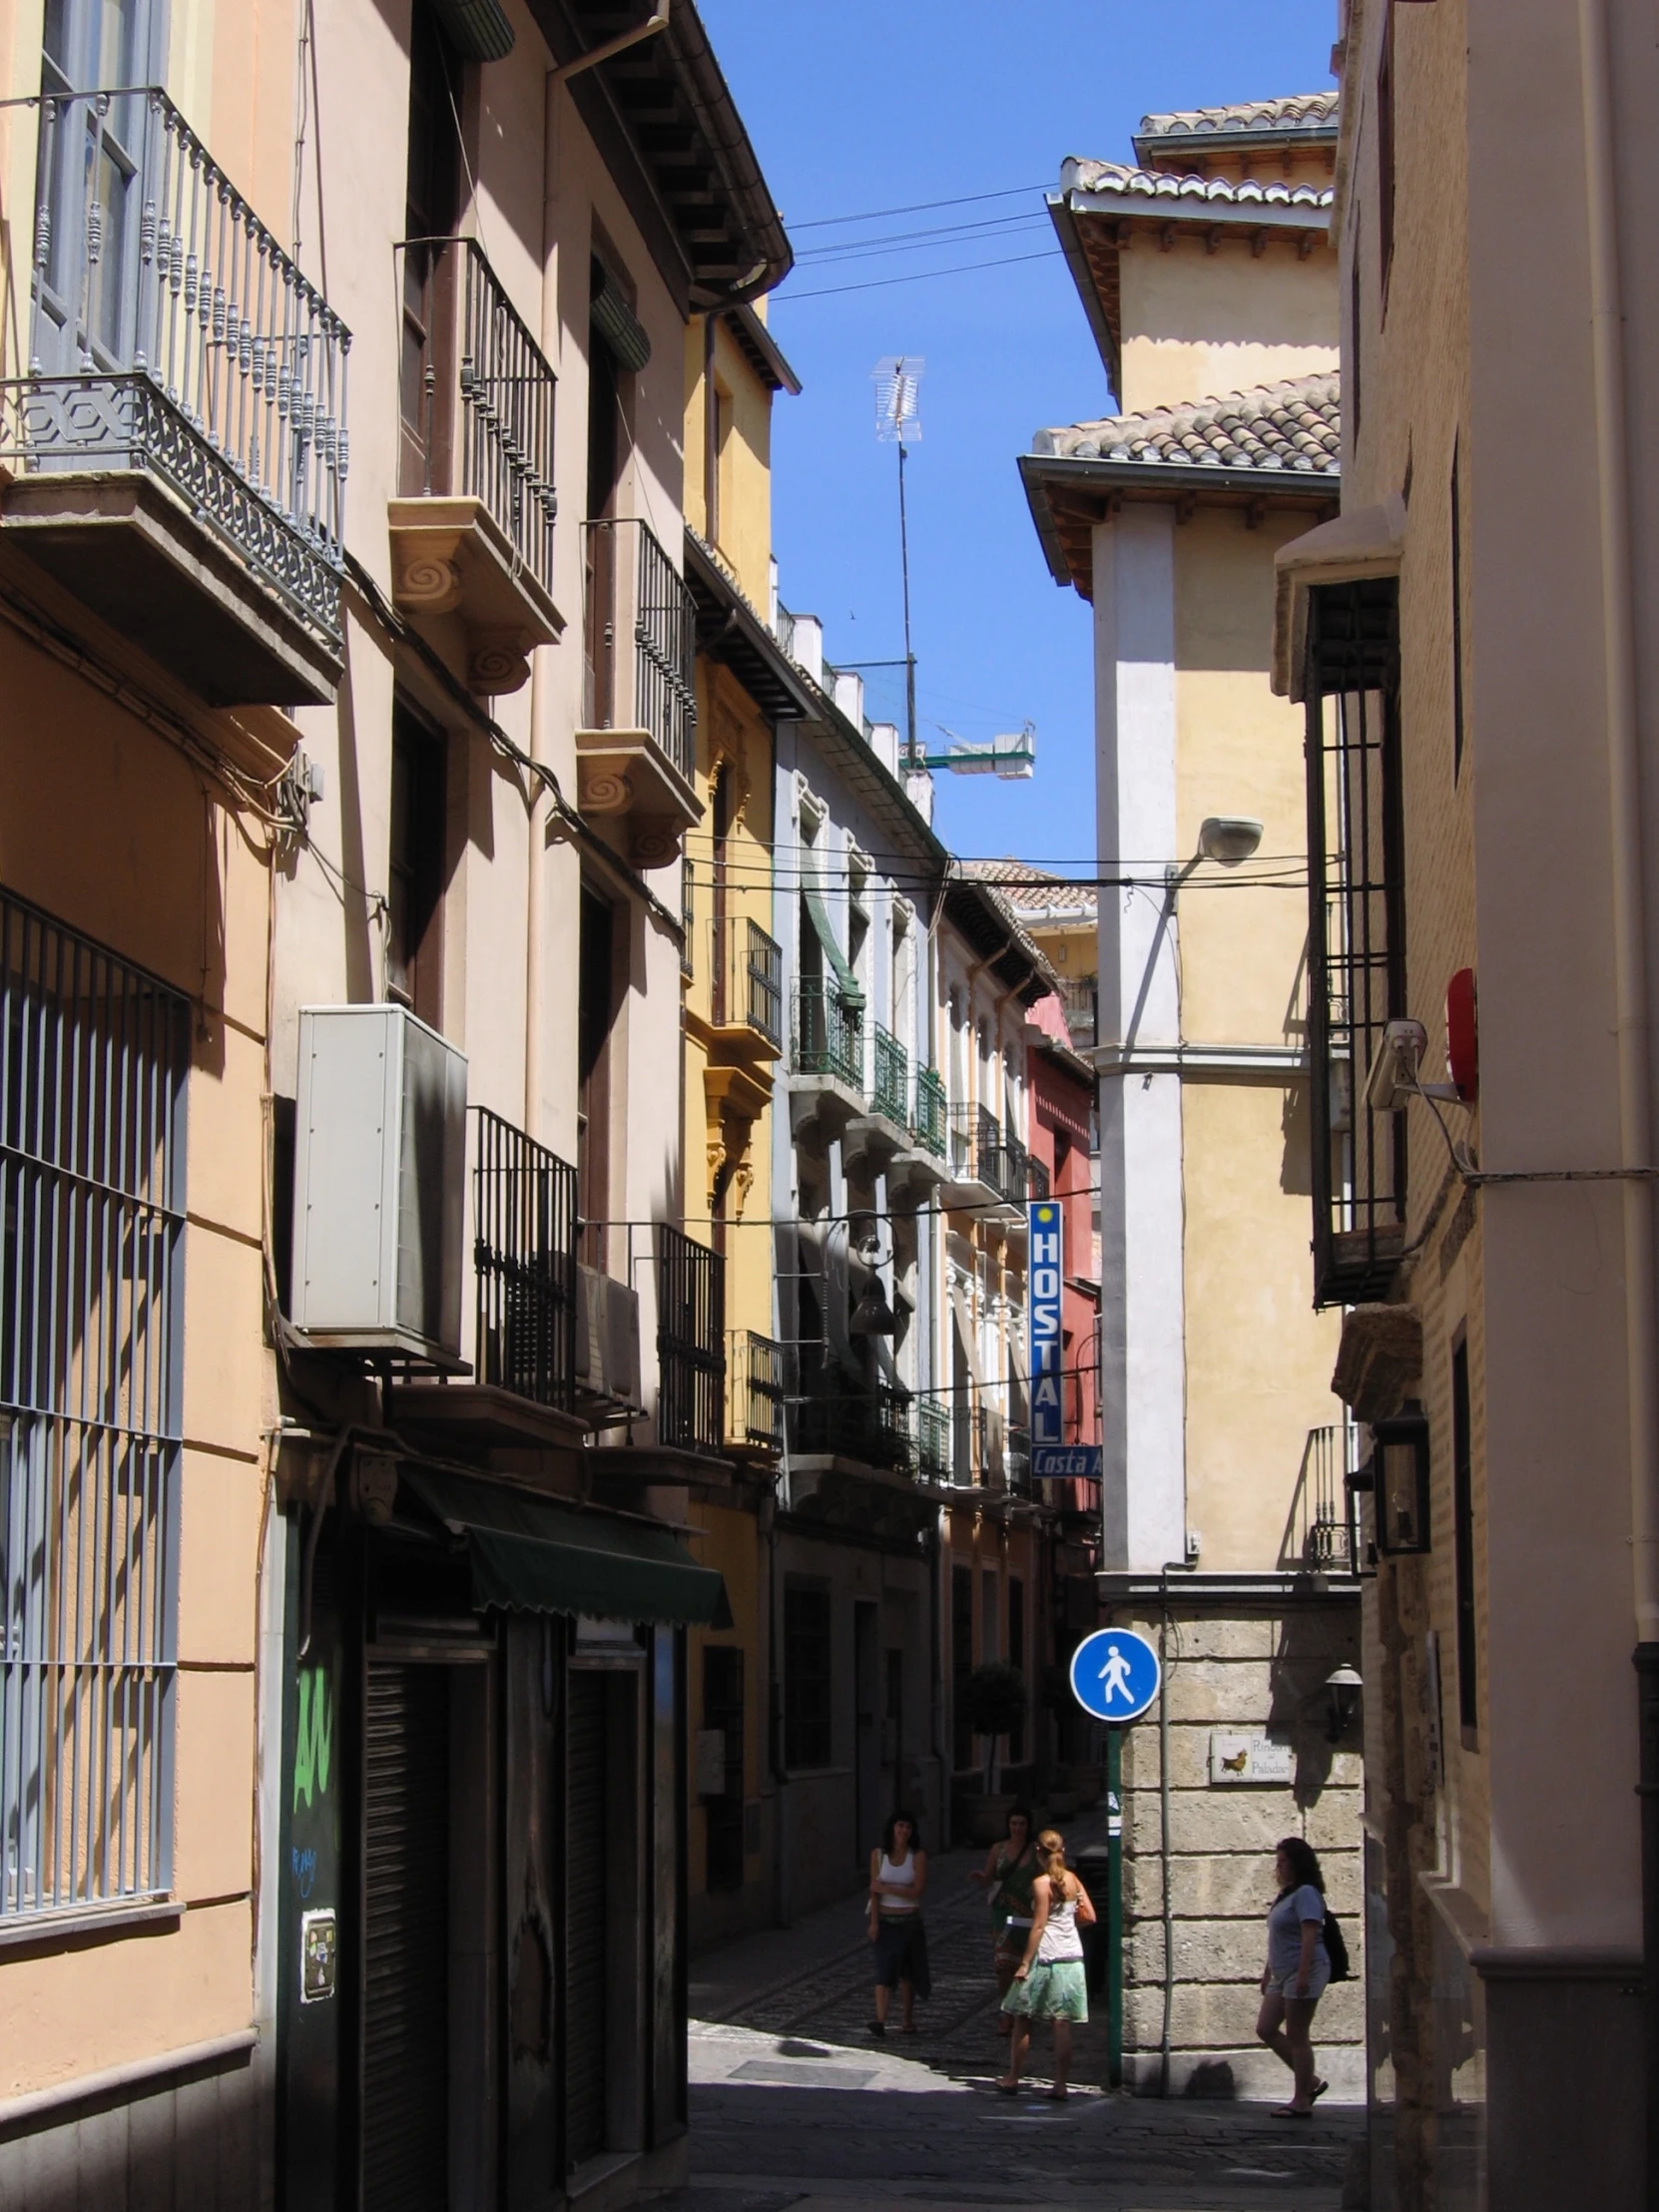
{"x":1043,"y":1277}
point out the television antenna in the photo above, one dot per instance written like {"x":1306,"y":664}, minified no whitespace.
{"x":899,"y":422}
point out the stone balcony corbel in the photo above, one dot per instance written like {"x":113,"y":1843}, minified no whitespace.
{"x":450,"y":558}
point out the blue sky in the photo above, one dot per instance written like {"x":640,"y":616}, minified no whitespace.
{"x":863,"y":107}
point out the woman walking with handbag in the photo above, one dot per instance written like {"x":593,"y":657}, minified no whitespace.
{"x":1049,"y":1983}
{"x":1008,"y":1875}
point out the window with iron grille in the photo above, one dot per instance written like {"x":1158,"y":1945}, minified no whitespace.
{"x":691,"y":1344}
{"x":93,"y":1055}
{"x":809,"y":1683}
{"x":1356,"y":940}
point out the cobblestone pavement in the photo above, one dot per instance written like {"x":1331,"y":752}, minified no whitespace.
{"x":795,"y":2107}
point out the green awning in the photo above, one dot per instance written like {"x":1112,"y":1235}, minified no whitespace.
{"x":534,"y":1555}
{"x":853,"y":991}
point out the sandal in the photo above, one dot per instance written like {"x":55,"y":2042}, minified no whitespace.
{"x":1293,"y":2112}
{"x":1056,"y":2096}
{"x":876,"y":2027}
{"x":1007,"y":2088}
{"x":1320,"y":2088}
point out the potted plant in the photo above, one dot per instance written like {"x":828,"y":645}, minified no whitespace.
{"x":993,"y":1704}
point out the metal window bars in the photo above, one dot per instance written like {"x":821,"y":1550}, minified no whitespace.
{"x":890,"y":1092}
{"x":632,"y":591}
{"x":1321,"y":1532}
{"x":931,"y":1112}
{"x":524,"y":1259}
{"x":93,"y":1057}
{"x":753,"y":964}
{"x":691,"y":1344}
{"x":980,"y":1152}
{"x":755,"y":1370}
{"x":483,"y":406}
{"x":829,"y":1034}
{"x":1357,"y":946}
{"x":932,"y":1436}
{"x":171,"y":333}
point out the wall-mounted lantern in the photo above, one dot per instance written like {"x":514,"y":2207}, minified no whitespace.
{"x":1399,"y":1480}
{"x":1343,"y":1690}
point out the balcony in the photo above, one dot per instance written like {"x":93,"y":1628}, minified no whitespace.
{"x":833,"y":1419}
{"x":1321,"y":1532}
{"x":754,"y":1376}
{"x":1080,"y":996}
{"x":531,"y":1351}
{"x":883,"y":1134}
{"x":932,"y":1113}
{"x":636,"y":749}
{"x":691,"y":1344}
{"x":988,"y":1171}
{"x":931,"y":1421}
{"x":176,"y":456}
{"x":827,"y":1059}
{"x":472,"y":531}
{"x":748,"y":992}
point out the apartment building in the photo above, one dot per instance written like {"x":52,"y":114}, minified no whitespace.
{"x":1473,"y":668}
{"x":1206,"y":271}
{"x":345,"y":1641}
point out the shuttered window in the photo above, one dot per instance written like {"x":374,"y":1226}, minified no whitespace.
{"x":405,"y":2124}
{"x":585,"y":1905}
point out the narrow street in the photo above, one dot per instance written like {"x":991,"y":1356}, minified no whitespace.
{"x":794,"y":2104}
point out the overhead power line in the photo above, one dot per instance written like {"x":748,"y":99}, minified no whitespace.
{"x":916,"y":207}
{"x":920,"y":277}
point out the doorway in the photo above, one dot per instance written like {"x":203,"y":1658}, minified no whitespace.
{"x":866,"y":1737}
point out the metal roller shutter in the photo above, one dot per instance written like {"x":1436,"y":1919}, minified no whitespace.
{"x":585,"y":1864}
{"x":406,"y":2126}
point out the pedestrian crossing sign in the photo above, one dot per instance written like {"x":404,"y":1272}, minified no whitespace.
{"x":1115,"y":1674}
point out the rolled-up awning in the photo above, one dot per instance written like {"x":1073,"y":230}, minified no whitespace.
{"x":534,"y":1555}
{"x":853,"y":991}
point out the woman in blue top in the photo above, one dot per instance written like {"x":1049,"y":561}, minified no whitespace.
{"x":1298,"y":1969}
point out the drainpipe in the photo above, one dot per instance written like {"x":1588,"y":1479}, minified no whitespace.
{"x":1630,"y":981}
{"x":1163,"y":1824}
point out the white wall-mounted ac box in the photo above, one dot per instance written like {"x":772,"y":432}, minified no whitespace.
{"x":379,"y":1184}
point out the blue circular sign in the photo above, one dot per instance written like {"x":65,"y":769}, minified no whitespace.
{"x":1114,"y":1674}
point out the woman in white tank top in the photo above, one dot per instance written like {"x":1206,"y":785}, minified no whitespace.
{"x":1049,"y":1981}
{"x":897,"y":1879}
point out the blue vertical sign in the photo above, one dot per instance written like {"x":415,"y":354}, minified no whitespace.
{"x":1044,"y":1273}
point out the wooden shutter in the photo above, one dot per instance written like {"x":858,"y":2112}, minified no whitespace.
{"x":405,"y":2123}
{"x":585,"y":1876}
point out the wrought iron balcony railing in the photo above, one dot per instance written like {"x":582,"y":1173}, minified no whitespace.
{"x":1080,"y":996}
{"x":477,"y":400}
{"x":829,"y":1034}
{"x":832,"y":1416}
{"x":932,"y":1439}
{"x":749,"y":974}
{"x":931,"y":1112}
{"x":981,"y":1153}
{"x":1321,"y":1531}
{"x":1037,"y":1180}
{"x":890,"y":1091}
{"x":171,"y":334}
{"x":755,"y":1367}
{"x":639,"y":632}
{"x":691,"y":1344}
{"x":524,"y":1257}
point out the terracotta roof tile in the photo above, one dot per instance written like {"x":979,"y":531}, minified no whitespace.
{"x":1191,"y":194}
{"x":1298,"y":111}
{"x":1294,"y":426}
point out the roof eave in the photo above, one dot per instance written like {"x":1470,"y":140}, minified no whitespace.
{"x":1082,"y":276}
{"x":1279,"y":138}
{"x":765,"y":357}
{"x":1201,"y":215}
{"x":1036,"y":484}
{"x":1302,"y":488}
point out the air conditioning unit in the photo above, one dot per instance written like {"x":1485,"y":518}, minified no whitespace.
{"x":607,"y":1340}
{"x":380,"y":1181}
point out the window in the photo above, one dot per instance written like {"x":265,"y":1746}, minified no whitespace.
{"x":961,"y":1662}
{"x":414,"y":921}
{"x":1457,"y":611}
{"x":809,"y":1734}
{"x":595,"y":1013}
{"x":722,"y":1814}
{"x":90,"y":160}
{"x":1385,"y":150}
{"x":93,"y":1056}
{"x":431,"y":209}
{"x":1356,"y":945}
{"x":1016,"y":1657}
{"x":1463,"y":1522}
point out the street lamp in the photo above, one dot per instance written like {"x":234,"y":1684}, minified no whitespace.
{"x":1342,"y":1688}
{"x":1223,"y":839}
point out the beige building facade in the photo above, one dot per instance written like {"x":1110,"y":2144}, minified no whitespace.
{"x":345,"y":1663}
{"x":1487,"y":1211}
{"x":1207,"y":274}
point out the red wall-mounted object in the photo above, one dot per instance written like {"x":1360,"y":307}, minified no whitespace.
{"x":1463,"y":1041}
